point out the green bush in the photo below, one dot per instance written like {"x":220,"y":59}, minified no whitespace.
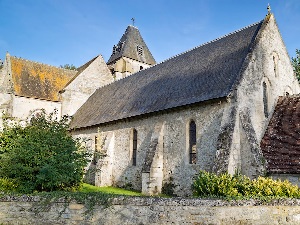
{"x":40,"y":155}
{"x":7,"y":184}
{"x":226,"y":185}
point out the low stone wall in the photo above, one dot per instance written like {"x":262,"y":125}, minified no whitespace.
{"x":25,"y":210}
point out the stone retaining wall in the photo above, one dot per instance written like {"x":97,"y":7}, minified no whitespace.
{"x":25,"y":210}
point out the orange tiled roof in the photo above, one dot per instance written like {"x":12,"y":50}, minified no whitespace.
{"x":37,"y":80}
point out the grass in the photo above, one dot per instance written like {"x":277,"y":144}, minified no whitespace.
{"x":87,"y":188}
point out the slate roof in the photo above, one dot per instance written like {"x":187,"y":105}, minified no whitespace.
{"x":127,"y":47}
{"x":281,"y":142}
{"x":203,"y":73}
{"x":37,"y":80}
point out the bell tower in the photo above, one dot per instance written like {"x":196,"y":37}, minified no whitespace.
{"x":130,"y":55}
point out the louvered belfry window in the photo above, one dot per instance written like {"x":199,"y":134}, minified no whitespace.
{"x":192,"y":142}
{"x":139,"y":50}
{"x":134,"y":146}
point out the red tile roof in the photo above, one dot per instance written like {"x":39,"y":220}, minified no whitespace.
{"x":281,"y":142}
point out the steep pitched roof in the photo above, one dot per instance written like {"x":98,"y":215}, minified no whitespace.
{"x":37,"y":80}
{"x":206,"y":72}
{"x":281,"y":142}
{"x":132,"y":45}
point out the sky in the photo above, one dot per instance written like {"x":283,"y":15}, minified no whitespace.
{"x":59,"y":32}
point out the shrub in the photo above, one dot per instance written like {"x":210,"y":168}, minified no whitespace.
{"x":226,"y":185}
{"x":41,"y":155}
{"x":169,"y":187}
{"x":7,"y":184}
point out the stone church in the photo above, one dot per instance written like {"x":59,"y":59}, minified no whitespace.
{"x":229,"y":105}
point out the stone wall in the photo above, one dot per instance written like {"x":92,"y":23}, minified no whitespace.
{"x":94,"y":76}
{"x":293,"y":178}
{"x":125,"y":67}
{"x":117,"y":164}
{"x":268,"y":63}
{"x":23,"y":107}
{"x":137,"y":210}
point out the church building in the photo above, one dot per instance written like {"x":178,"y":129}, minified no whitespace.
{"x":229,"y":105}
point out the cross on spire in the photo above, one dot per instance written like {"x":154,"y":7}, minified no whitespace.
{"x":269,"y":8}
{"x":133,"y":20}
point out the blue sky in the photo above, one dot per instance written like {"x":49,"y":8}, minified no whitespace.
{"x":58,"y":32}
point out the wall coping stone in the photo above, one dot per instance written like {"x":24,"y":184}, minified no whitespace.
{"x":175,"y":201}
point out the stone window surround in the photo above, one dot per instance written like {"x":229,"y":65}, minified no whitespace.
{"x":266,"y":86}
{"x":190,"y":145}
{"x":133,"y":146}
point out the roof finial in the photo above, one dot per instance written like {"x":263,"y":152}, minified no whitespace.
{"x":269,"y":8}
{"x":133,"y":20}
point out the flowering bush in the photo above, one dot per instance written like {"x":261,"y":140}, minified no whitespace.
{"x":226,"y":185}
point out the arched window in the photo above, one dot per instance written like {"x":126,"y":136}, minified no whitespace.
{"x":134,"y":146}
{"x":265,"y":99}
{"x":192,"y":142}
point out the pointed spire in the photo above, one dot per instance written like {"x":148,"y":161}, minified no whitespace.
{"x":132,"y":45}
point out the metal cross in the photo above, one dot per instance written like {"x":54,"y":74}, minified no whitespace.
{"x":269,"y":8}
{"x":132,"y":21}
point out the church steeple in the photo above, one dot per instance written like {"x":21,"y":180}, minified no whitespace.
{"x":131,"y":54}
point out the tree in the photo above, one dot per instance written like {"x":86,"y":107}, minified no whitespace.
{"x":68,"y":67}
{"x":41,"y":155}
{"x":296,"y":64}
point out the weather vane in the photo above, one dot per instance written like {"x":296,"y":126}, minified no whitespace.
{"x":133,"y":20}
{"x":269,"y":8}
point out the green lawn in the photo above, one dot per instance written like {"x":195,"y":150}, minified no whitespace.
{"x":87,"y":188}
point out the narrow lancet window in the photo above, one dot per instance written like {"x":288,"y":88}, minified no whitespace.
{"x":134,"y":146}
{"x":265,"y":99}
{"x":192,"y":142}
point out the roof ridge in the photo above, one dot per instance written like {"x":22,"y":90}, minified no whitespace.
{"x":208,"y":42}
{"x":45,"y":64}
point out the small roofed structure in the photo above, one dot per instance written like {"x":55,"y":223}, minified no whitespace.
{"x":130,"y":55}
{"x":281,"y":142}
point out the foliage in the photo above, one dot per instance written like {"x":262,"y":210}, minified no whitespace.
{"x":7,"y":184}
{"x":68,"y":67}
{"x":87,"y":194}
{"x":226,"y":185}
{"x":168,"y":188}
{"x":40,"y":154}
{"x":89,"y":199}
{"x":296,"y":64}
